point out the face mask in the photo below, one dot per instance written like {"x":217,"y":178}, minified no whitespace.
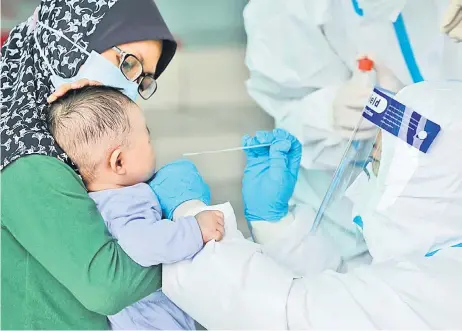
{"x":360,"y":191}
{"x":96,"y":68}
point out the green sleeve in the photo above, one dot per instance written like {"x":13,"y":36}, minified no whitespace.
{"x":47,"y":209}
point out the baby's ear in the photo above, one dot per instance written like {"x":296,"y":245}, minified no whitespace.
{"x":116,"y":162}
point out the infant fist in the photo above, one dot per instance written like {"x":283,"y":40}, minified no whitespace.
{"x":211,"y":223}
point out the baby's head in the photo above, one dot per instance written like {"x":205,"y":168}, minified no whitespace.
{"x":105,"y":135}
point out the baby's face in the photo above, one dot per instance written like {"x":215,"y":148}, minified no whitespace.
{"x":139,"y":158}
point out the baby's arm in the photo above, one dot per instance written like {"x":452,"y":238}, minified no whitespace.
{"x":133,"y":217}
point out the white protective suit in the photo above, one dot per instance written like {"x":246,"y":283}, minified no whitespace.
{"x":235,"y":284}
{"x":299,"y":54}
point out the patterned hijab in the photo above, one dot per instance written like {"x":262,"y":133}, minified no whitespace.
{"x":25,"y":79}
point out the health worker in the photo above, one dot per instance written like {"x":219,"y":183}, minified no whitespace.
{"x":409,"y":200}
{"x":303,"y":55}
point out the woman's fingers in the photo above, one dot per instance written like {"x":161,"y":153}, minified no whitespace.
{"x":63,"y":89}
{"x":60,"y":91}
{"x":84,"y":82}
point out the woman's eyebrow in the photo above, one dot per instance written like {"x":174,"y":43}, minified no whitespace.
{"x":140,"y":57}
{"x":149,"y":131}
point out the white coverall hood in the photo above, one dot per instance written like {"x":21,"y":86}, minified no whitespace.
{"x":416,"y":207}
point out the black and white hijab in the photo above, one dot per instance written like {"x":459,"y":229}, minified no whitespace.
{"x":25,"y":79}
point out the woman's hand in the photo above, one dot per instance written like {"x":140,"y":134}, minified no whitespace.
{"x":270,"y":174}
{"x":63,"y":89}
{"x":178,"y":182}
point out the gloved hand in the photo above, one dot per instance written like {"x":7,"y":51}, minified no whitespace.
{"x":353,"y":96}
{"x":348,"y":108}
{"x":178,"y":182}
{"x":452,"y":20}
{"x":270,"y":174}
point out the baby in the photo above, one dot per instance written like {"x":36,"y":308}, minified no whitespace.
{"x":105,"y":135}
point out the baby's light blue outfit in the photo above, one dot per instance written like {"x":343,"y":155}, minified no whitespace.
{"x":133,"y":216}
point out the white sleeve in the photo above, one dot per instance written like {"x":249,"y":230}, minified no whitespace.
{"x":232,"y":285}
{"x":291,"y":244}
{"x":235,"y":284}
{"x":295,"y":74}
{"x":225,"y":286}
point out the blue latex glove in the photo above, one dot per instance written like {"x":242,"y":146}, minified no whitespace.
{"x":270,"y":174}
{"x":178,"y":182}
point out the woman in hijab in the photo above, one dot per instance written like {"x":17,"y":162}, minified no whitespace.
{"x":61,"y":270}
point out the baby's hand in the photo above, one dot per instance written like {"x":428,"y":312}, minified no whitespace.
{"x":211,"y":223}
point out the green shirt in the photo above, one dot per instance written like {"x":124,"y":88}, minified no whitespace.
{"x":60,"y":267}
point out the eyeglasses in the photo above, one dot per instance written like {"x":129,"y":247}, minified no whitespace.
{"x":132,"y":69}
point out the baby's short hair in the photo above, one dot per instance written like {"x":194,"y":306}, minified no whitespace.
{"x":88,"y":122}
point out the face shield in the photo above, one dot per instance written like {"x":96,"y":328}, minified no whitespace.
{"x":403,"y":183}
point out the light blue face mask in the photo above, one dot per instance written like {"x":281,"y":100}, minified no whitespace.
{"x":96,"y":68}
